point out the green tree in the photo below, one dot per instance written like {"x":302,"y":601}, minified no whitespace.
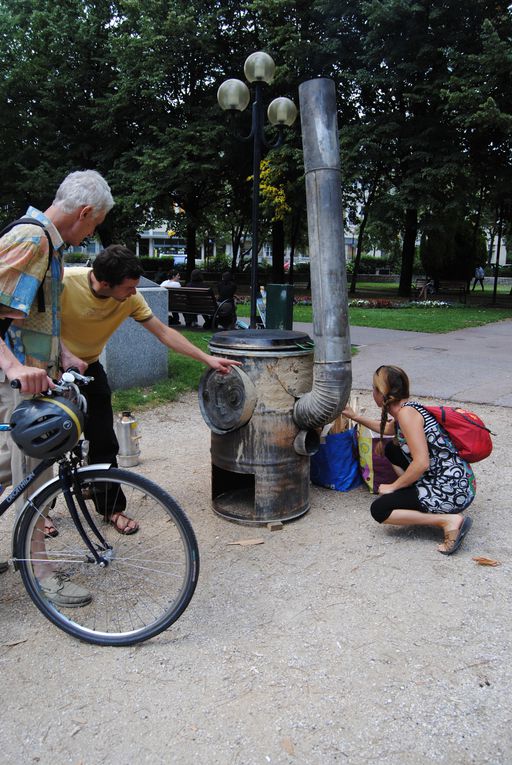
{"x":55,"y":62}
{"x":479,"y":102}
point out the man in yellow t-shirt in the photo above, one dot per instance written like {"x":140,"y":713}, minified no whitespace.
{"x":95,"y":301}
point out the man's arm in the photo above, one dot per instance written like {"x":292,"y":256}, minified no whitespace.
{"x":176,"y":342}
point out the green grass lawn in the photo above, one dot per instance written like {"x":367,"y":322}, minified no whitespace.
{"x":503,"y":289}
{"x":436,"y":320}
{"x":184,"y":375}
{"x":413,"y":319}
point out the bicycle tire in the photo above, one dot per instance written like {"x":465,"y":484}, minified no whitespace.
{"x":150,"y":577}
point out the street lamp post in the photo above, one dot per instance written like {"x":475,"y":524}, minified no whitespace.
{"x":234,"y":95}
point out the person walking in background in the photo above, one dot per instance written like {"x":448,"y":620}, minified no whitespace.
{"x":434,"y":484}
{"x":30,"y":289}
{"x":479,"y":277}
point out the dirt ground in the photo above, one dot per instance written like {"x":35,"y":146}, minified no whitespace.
{"x":335,"y":641}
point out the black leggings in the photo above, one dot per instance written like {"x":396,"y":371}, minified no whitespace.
{"x":402,"y":499}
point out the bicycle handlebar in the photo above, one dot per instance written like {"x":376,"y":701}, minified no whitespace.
{"x":70,"y":377}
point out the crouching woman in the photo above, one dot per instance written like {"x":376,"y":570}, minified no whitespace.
{"x":434,"y":484}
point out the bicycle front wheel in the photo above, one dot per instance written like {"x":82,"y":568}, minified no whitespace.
{"x":149,"y":577}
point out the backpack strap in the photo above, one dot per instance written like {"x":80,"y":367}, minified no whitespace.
{"x":41,"y":306}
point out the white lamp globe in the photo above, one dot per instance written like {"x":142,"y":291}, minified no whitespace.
{"x":233,"y":94}
{"x":282,"y":111}
{"x":259,"y":67}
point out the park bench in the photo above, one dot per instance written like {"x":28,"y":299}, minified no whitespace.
{"x":459,"y":288}
{"x":195,"y":300}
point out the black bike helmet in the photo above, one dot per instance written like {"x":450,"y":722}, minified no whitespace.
{"x":45,"y":427}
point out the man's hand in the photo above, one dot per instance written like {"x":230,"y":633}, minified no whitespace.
{"x":68,"y":359}
{"x":222,"y":365}
{"x":32,"y":379}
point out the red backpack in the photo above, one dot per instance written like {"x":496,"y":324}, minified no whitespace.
{"x":466,"y":430}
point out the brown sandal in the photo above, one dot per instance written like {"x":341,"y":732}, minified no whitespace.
{"x":454,"y":539}
{"x":117,"y":520}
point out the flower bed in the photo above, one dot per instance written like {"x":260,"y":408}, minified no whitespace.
{"x":371,"y":303}
{"x":382,"y":303}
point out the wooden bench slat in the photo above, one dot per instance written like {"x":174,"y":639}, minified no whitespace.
{"x":192,"y":300}
{"x":455,"y":287}
{"x":452,"y":285}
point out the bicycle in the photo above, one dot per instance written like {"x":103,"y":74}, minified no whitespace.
{"x":139,"y":584}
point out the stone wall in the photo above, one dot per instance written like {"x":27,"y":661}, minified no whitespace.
{"x":133,"y":356}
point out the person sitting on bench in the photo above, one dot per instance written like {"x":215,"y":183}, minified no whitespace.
{"x":172,"y":282}
{"x":196,"y":280}
{"x":226,"y":290}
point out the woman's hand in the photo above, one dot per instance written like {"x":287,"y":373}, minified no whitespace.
{"x":387,"y":488}
{"x":350,"y":413}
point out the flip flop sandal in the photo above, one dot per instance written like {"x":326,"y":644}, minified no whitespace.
{"x":49,"y":529}
{"x":126,"y":530}
{"x":455,"y":542}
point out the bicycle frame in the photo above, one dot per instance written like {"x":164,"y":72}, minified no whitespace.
{"x":23,"y":485}
{"x":66,"y":480}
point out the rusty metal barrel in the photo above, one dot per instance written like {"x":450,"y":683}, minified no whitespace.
{"x":258,"y":474}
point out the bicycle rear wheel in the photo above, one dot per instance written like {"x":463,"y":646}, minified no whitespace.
{"x":149,"y":578}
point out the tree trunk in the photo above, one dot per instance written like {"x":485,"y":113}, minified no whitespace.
{"x":408,"y":250}
{"x":236,"y":238}
{"x":498,"y":248}
{"x":191,"y":248}
{"x":490,"y":250}
{"x":362,"y":227}
{"x":359,"y":250}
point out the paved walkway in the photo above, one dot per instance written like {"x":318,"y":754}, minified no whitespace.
{"x":471,"y":365}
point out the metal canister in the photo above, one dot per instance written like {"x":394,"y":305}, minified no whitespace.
{"x":257,"y":474}
{"x":126,"y":432}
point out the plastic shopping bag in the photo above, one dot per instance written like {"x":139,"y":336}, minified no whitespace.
{"x":375,"y":469}
{"x":336,"y":465}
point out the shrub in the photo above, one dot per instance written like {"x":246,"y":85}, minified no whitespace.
{"x":219,"y":264}
{"x":76,"y":257}
{"x":505,"y":270}
{"x":369,"y":264}
{"x":151,"y":265}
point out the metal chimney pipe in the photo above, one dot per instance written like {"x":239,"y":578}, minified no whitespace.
{"x":332,"y":371}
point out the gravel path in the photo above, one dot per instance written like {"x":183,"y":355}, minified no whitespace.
{"x":335,"y":641}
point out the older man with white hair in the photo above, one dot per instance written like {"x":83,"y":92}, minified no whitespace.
{"x":30,"y":309}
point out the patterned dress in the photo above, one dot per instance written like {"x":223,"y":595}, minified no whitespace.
{"x":449,"y":483}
